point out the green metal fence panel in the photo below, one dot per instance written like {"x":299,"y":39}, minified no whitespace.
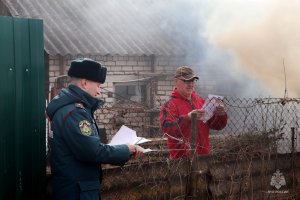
{"x":21,"y":43}
{"x":7,"y":107}
{"x":38,"y":102}
{"x":23,"y":151}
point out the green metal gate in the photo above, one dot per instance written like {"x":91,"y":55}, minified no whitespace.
{"x":22,"y":104}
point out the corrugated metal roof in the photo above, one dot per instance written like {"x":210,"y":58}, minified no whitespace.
{"x":124,"y":27}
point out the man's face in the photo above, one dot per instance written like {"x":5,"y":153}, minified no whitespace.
{"x":93,"y":88}
{"x":185,"y":87}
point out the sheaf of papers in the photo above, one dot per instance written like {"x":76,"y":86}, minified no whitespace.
{"x":126,"y":135}
{"x":210,"y":105}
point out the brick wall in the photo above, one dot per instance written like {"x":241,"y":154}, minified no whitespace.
{"x":124,"y":68}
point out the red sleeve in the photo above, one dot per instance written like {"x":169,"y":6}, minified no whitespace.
{"x":218,"y":122}
{"x":171,"y":122}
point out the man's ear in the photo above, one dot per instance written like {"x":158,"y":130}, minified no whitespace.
{"x":83,"y":83}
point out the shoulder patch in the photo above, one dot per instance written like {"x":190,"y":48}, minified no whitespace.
{"x":85,"y":127}
{"x":79,"y":105}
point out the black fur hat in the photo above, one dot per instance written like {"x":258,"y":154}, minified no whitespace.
{"x":88,"y":69}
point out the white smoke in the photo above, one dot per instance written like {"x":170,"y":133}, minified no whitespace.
{"x":263,"y":37}
{"x":244,"y":40}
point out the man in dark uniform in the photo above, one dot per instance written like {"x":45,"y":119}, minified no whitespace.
{"x":76,"y":151}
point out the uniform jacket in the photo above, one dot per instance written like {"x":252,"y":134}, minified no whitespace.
{"x":176,"y":124}
{"x":76,"y":151}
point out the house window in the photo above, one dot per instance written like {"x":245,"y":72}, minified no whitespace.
{"x":130,"y":92}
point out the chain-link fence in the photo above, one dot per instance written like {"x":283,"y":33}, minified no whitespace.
{"x":272,"y":121}
{"x":254,"y":157}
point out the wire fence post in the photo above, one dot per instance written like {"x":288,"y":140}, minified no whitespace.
{"x":293,"y":161}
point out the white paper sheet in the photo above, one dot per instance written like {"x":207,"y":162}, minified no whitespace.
{"x":210,"y":105}
{"x":126,"y":135}
{"x":139,"y":148}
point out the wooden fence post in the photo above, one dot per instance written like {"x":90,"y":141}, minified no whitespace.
{"x":191,"y":183}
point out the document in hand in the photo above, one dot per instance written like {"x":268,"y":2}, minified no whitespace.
{"x":210,"y":104}
{"x":126,"y":135}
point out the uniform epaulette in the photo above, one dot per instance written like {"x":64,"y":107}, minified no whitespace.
{"x":79,"y":105}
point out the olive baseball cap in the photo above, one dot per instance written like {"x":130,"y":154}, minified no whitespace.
{"x":185,"y":73}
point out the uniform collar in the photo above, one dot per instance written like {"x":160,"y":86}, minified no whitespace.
{"x":89,"y":101}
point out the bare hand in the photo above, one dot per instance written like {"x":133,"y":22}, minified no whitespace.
{"x":134,"y":151}
{"x":199,"y":113}
{"x":220,"y":109}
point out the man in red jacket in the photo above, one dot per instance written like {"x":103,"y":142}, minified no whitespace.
{"x":175,"y":117}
